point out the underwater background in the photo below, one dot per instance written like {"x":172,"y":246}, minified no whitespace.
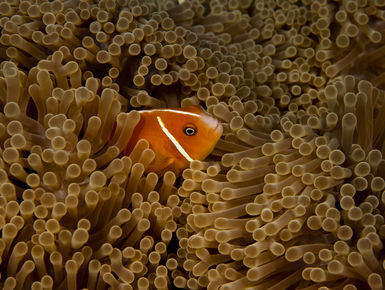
{"x":292,"y":197}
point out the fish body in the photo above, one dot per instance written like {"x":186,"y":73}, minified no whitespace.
{"x":177,"y":136}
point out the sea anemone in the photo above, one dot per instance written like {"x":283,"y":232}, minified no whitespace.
{"x":292,"y":195}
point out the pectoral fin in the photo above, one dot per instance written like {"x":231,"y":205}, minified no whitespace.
{"x":160,"y":168}
{"x":167,"y":163}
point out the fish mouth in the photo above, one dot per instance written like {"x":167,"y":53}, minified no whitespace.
{"x":218,"y":128}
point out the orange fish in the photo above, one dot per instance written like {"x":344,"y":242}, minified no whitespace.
{"x":177,"y":136}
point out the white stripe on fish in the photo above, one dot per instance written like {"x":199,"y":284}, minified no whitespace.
{"x":170,"y":111}
{"x":173,"y":140}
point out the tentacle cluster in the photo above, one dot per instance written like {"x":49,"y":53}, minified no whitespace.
{"x":292,"y":195}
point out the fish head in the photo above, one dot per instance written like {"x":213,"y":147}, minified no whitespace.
{"x":195,"y":131}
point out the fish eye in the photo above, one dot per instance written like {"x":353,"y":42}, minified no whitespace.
{"x":189,"y":131}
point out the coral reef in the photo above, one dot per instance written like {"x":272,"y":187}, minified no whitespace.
{"x":292,"y":195}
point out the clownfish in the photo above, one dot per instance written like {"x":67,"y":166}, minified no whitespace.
{"x":177,"y":136}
